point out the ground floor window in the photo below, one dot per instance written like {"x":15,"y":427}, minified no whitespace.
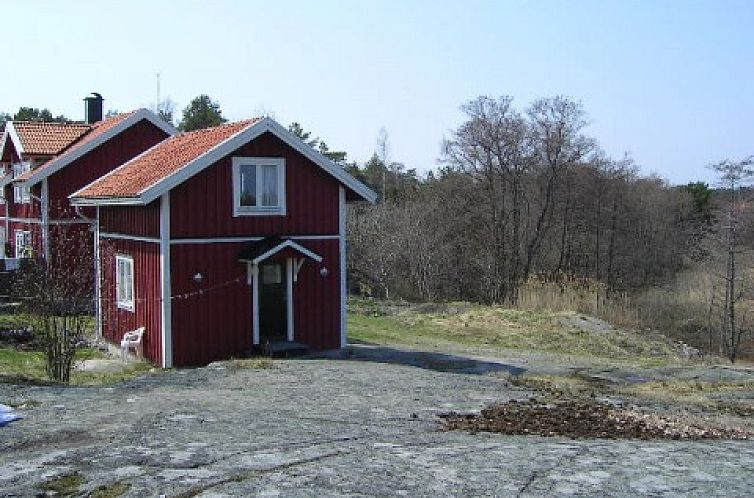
{"x":23,"y":244}
{"x":124,"y":282}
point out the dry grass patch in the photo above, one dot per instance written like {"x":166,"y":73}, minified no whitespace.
{"x":464,"y":326}
{"x":64,"y":485}
{"x":257,"y":363}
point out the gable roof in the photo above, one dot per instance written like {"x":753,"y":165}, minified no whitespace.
{"x":42,"y":138}
{"x":97,"y":134}
{"x":171,"y":162}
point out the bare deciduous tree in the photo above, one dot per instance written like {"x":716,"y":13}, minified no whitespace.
{"x":58,"y":296}
{"x":733,"y":176}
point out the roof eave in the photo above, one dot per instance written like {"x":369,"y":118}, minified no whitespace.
{"x":127,"y":123}
{"x":246,"y":135}
{"x":106,"y":201}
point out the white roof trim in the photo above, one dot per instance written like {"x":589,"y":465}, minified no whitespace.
{"x":221,"y":150}
{"x":5,"y":180}
{"x":205,"y":160}
{"x":105,"y":201}
{"x":313,"y":155}
{"x":288,"y":243}
{"x":10,"y":132}
{"x":65,"y":159}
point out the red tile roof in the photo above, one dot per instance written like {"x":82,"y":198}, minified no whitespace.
{"x":91,"y":132}
{"x":48,"y":139}
{"x":161,"y":161}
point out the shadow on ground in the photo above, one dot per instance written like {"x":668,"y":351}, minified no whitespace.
{"x":440,"y":362}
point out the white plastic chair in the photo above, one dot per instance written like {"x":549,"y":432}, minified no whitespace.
{"x":130,"y":340}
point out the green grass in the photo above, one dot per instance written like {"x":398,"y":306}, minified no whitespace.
{"x":496,"y":328}
{"x":29,"y":367}
{"x":23,"y":364}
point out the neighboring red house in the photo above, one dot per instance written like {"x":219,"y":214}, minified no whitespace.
{"x":222,"y":240}
{"x":46,"y":162}
{"x":24,"y":146}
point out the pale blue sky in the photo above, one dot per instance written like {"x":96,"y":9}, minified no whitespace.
{"x":671,"y":82}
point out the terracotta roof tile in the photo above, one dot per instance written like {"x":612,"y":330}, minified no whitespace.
{"x":48,"y":139}
{"x":161,"y":161}
{"x":91,"y":132}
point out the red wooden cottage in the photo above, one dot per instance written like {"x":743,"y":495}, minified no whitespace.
{"x":25,"y":146}
{"x":47,"y":162}
{"x":222,"y":240}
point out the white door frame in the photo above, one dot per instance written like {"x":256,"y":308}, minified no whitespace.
{"x":253,"y":279}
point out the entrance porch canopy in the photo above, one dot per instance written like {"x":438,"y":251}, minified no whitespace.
{"x":258,"y":251}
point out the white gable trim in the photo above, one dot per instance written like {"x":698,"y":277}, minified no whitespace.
{"x":207,"y":159}
{"x":223,"y":149}
{"x":310,"y":153}
{"x":288,"y":243}
{"x":12,"y":134}
{"x":67,"y":158}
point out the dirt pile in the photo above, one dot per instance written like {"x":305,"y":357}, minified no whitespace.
{"x":580,"y":419}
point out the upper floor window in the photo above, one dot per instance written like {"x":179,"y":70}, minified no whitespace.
{"x":21,"y":194}
{"x":258,"y":186}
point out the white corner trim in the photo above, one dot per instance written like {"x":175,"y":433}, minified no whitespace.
{"x":67,"y":158}
{"x":97,"y":278}
{"x":343,"y":269}
{"x":45,"y":208}
{"x":289,"y":299}
{"x":166,"y":315}
{"x":254,"y":304}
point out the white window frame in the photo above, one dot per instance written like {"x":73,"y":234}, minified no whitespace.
{"x":124,"y":302}
{"x":25,"y":249}
{"x":21,"y":194}
{"x":239,"y":210}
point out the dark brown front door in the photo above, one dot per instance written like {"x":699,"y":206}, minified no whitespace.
{"x":272,"y":303}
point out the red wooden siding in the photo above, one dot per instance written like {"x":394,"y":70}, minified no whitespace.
{"x":142,"y":221}
{"x":24,"y":210}
{"x":203,"y":205}
{"x":105,"y":158}
{"x":147,"y":307}
{"x":216,"y":323}
{"x":316,"y":305}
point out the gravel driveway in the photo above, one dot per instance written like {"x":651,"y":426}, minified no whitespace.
{"x":329,"y":427}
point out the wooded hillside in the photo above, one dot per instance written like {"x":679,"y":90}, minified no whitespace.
{"x":525,"y":195}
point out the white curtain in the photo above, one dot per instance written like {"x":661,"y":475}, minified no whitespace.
{"x":269,"y":185}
